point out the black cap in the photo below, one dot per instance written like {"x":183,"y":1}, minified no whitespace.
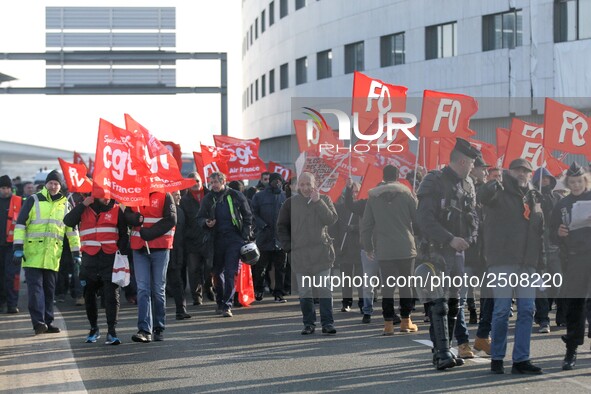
{"x":390,"y":173}
{"x":55,"y":176}
{"x":466,"y":149}
{"x":5,"y":181}
{"x":274,"y":177}
{"x":479,"y":162}
{"x":521,"y":163}
{"x":575,"y":170}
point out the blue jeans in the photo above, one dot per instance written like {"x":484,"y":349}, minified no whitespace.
{"x":41,"y":290}
{"x":307,"y":299}
{"x":500,"y":321}
{"x":150,"y":275}
{"x":370,"y":268}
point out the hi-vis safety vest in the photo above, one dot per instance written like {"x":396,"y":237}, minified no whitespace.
{"x":13,"y":210}
{"x":152,"y":214}
{"x":42,"y":236}
{"x":99,"y":231}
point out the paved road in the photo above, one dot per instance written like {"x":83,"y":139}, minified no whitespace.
{"x":259,"y":350}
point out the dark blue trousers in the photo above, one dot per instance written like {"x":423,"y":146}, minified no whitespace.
{"x":41,"y":290}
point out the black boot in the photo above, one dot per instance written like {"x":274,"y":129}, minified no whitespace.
{"x":570,"y":359}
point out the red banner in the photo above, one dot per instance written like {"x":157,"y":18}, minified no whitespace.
{"x":215,"y":160}
{"x":77,"y":158}
{"x":245,"y":162}
{"x":163,"y":172}
{"x":117,"y":172}
{"x":199,"y":166}
{"x":568,"y":129}
{"x":488,"y":152}
{"x":329,"y":182}
{"x":75,"y":177}
{"x":283,"y":171}
{"x":447,"y":115}
{"x":520,"y":146}
{"x":175,"y":150}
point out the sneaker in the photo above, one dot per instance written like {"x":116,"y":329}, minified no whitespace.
{"x":465,"y":351}
{"x":346,"y":308}
{"x":280,"y":300}
{"x":259,"y":296}
{"x":158,"y":335}
{"x":526,"y":367}
{"x":329,"y":329}
{"x":366,"y":319}
{"x":496,"y":367}
{"x":53,"y":329}
{"x":544,"y":329}
{"x":40,"y":328}
{"x":198,"y":301}
{"x":227,"y":313}
{"x":182,"y":316}
{"x":112,"y":340}
{"x":93,"y":335}
{"x":308,"y":330}
{"x":12,"y":309}
{"x":142,"y":336}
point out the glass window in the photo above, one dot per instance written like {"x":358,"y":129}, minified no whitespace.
{"x":263,"y":85}
{"x":324,"y":64}
{"x":256,"y":28}
{"x":271,"y":13}
{"x":300,"y":4}
{"x":263,"y":27}
{"x":392,"y":50}
{"x":502,"y":30}
{"x":441,"y":41}
{"x":301,"y":70}
{"x":354,"y":57}
{"x":271,"y":81}
{"x":572,"y":20}
{"x":283,"y":77}
{"x":282,"y":8}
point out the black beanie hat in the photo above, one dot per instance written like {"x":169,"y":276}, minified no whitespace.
{"x":274,"y":177}
{"x":55,"y":176}
{"x":5,"y":181}
{"x":390,"y":173}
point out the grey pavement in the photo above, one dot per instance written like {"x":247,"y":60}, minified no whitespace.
{"x":259,"y":350}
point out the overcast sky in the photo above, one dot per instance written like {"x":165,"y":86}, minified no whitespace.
{"x":71,"y":122}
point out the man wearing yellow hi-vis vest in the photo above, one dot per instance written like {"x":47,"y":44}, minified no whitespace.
{"x":38,"y":242}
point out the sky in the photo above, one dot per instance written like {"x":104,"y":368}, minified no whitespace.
{"x":71,"y":122}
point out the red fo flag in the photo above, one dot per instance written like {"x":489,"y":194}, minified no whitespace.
{"x":245,"y":162}
{"x":215,"y":160}
{"x":447,"y":115}
{"x":520,"y":146}
{"x":555,"y":166}
{"x":283,"y":171}
{"x":75,"y":176}
{"x":163,"y":172}
{"x":117,"y":172}
{"x":567,"y":129}
{"x":320,"y":134}
{"x":175,"y":150}
{"x":77,"y":158}
{"x":373,"y":100}
{"x":199,"y":165}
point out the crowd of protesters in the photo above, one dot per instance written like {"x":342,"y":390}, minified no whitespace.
{"x":467,"y":218}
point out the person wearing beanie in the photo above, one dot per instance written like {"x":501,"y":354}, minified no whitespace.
{"x":10,"y":204}
{"x":38,"y":243}
{"x":575,"y":247}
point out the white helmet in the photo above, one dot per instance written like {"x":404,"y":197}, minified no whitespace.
{"x":249,"y":253}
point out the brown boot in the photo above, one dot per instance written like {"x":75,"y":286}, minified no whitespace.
{"x":406,"y":325}
{"x":388,"y":327}
{"x":482,"y":344}
{"x":465,"y":351}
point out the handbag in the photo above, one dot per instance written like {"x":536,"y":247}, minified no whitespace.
{"x":121,"y":273}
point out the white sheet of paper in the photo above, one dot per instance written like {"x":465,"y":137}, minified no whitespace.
{"x":580,"y":215}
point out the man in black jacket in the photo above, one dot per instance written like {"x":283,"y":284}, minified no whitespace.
{"x":226,"y":212}
{"x":513,"y":248}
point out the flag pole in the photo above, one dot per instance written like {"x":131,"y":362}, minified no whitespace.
{"x":414,"y":181}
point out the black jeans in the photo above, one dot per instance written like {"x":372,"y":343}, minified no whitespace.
{"x":268,"y":259}
{"x":396,"y":268}
{"x":199,"y":267}
{"x":175,"y":279}
{"x":576,"y":284}
{"x":110,"y":291}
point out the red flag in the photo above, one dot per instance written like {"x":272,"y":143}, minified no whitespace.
{"x":328,"y":181}
{"x":283,"y":171}
{"x":77,"y":158}
{"x":90,"y":167}
{"x":199,"y":165}
{"x":520,"y":146}
{"x":488,"y":151}
{"x":175,"y":150}
{"x":555,"y":166}
{"x":321,"y":134}
{"x":163,"y":172}
{"x":429,"y":153}
{"x":373,"y":176}
{"x":215,"y":160}
{"x":372,"y":100}
{"x":117,"y":172}
{"x":447,"y":115}
{"x":75,"y":177}
{"x":502,"y":140}
{"x":568,"y":129}
{"x":245,"y":162}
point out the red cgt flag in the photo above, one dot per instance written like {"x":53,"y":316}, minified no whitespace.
{"x":75,"y":177}
{"x":283,"y":171}
{"x":163,"y":172}
{"x":245,"y":162}
{"x":447,"y":115}
{"x":175,"y":150}
{"x":567,"y":129}
{"x":215,"y":160}
{"x":117,"y":173}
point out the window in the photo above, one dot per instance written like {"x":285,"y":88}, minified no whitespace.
{"x":256,"y":90}
{"x":247,"y":96}
{"x":354,"y":57}
{"x":271,"y":81}
{"x":282,"y":8}
{"x":263,"y":22}
{"x":502,"y":30}
{"x":263,"y":85}
{"x":283,"y":77}
{"x":300,"y":4}
{"x":324,"y":64}
{"x":572,"y":20}
{"x":271,"y":13}
{"x":392,"y":50}
{"x":256,"y":28}
{"x":301,"y":70}
{"x":251,"y":93}
{"x":246,"y":38}
{"x":250,"y":35}
{"x":441,"y":41}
